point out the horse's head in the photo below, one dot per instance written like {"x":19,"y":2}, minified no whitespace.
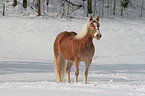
{"x":93,"y":28}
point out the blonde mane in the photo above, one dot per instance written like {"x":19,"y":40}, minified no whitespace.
{"x":84,"y":32}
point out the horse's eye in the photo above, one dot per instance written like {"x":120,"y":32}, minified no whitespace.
{"x":91,"y":25}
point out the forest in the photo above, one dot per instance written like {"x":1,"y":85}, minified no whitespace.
{"x":75,"y":8}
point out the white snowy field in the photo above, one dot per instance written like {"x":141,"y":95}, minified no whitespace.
{"x":26,"y":58}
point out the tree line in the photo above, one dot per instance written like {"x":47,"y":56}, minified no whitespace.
{"x":93,"y":7}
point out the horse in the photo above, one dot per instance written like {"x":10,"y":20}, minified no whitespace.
{"x":73,"y":47}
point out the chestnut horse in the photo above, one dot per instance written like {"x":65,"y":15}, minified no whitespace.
{"x":75,"y":48}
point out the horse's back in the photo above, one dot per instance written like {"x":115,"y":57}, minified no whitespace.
{"x":67,"y":36}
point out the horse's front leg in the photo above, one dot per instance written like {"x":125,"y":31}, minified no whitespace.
{"x":76,"y":70}
{"x":68,"y":69}
{"x":87,"y":64}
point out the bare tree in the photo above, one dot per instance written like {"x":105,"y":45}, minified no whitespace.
{"x":62,"y":12}
{"x":124,"y":3}
{"x":24,"y":3}
{"x":39,"y":9}
{"x":47,"y":4}
{"x":99,"y":8}
{"x":114,"y":7}
{"x":89,"y":2}
{"x":94,"y":8}
{"x":68,"y":7}
{"x":111,"y":7}
{"x":3,"y":9}
{"x":14,"y":3}
{"x":122,"y":11}
{"x":84,"y":4}
{"x":108,"y":9}
{"x":142,"y":7}
{"x":102,"y":8}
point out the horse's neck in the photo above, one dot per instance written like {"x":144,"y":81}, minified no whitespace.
{"x":87,"y":39}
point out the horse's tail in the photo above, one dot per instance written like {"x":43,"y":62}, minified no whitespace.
{"x":59,"y":64}
{"x":55,"y":68}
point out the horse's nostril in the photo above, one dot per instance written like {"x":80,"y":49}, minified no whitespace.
{"x":100,"y":36}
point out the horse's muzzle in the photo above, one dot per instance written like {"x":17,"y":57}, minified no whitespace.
{"x":98,"y":36}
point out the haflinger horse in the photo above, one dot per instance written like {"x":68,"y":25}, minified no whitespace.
{"x":71,"y":47}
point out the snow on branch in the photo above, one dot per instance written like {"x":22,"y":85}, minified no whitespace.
{"x":73,"y":4}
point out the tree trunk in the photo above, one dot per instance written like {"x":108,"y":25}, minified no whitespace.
{"x":142,"y":7}
{"x":33,"y":2}
{"x":108,"y":9}
{"x":68,"y":6}
{"x":94,"y":8}
{"x":84,"y":4}
{"x":64,"y":10}
{"x":111,"y":8}
{"x":99,"y":8}
{"x":89,"y":6}
{"x":102,"y":8}
{"x":39,"y":9}
{"x":47,"y":2}
{"x":3,"y":9}
{"x":43,"y":6}
{"x":114,"y":7}
{"x":24,"y":4}
{"x":122,"y":11}
{"x":47,"y":5}
{"x":14,"y":3}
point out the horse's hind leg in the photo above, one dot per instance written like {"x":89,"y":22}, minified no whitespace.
{"x":68,"y":69}
{"x":57,"y":69}
{"x":60,"y":62}
{"x":87,"y":65}
{"x":60,"y":68}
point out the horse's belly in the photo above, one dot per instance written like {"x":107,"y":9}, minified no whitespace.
{"x":66,"y":50}
{"x":67,"y":55}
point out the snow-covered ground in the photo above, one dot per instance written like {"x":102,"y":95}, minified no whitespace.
{"x":26,"y":58}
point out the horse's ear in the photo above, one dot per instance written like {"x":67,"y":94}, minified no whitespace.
{"x":98,"y":18}
{"x":91,"y":18}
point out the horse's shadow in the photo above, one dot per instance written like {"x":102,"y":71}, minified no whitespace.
{"x":14,"y":67}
